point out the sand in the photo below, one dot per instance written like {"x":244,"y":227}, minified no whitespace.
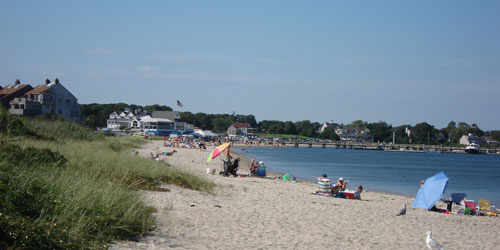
{"x":258,"y":213}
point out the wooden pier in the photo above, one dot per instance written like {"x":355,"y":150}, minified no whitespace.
{"x":417,"y":148}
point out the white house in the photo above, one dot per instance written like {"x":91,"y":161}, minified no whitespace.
{"x":126,"y":119}
{"x":354,"y":134}
{"x":240,"y":129}
{"x":470,"y":138}
{"x":328,"y":125}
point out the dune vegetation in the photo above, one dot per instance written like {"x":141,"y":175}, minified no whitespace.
{"x":64,"y":187}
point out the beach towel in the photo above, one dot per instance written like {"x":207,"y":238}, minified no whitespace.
{"x":324,"y":186}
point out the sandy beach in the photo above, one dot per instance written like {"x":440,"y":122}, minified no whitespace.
{"x":264,"y":213}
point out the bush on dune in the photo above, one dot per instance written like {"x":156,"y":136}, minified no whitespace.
{"x":76,"y":190}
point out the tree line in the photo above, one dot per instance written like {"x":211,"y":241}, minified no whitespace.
{"x":95,"y":115}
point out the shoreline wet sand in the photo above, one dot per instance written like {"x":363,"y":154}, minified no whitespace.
{"x":264,"y":213}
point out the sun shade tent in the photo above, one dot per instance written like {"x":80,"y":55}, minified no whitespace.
{"x":431,"y":191}
{"x":205,"y":133}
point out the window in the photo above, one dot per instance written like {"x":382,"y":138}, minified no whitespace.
{"x":47,"y":98}
{"x":60,"y":111}
{"x":22,"y":106}
{"x":59,"y":100}
{"x":68,"y":101}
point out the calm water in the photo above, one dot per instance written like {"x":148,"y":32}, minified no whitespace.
{"x":397,"y":172}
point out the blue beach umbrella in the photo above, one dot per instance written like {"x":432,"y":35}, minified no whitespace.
{"x":431,"y":191}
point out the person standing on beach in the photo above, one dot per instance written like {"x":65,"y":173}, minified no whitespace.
{"x":227,"y":162}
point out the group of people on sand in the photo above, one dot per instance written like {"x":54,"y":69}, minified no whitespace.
{"x":335,"y":190}
{"x":254,"y":166}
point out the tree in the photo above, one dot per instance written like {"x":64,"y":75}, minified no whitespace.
{"x":495,"y":135}
{"x":329,"y":133}
{"x":358,"y":124}
{"x":425,"y":133}
{"x":381,"y":131}
{"x":220,"y":124}
{"x":156,"y":107}
{"x":290,"y":128}
{"x":401,"y":135}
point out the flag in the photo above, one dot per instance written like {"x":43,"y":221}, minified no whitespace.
{"x":179,"y":104}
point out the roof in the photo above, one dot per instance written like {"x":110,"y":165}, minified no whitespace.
{"x":241,"y":125}
{"x":10,"y":89}
{"x":41,"y":88}
{"x":149,"y":119}
{"x":171,"y":115}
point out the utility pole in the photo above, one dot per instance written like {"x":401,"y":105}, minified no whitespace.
{"x":393,"y":137}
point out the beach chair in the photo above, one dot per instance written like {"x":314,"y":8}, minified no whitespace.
{"x":324,"y":186}
{"x":484,"y":208}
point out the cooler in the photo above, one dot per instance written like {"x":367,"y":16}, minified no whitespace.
{"x":261,"y":171}
{"x":352,"y":194}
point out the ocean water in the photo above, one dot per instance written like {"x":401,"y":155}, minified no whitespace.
{"x":395,"y":172}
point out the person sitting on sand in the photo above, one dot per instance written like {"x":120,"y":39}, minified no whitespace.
{"x":201,"y":145}
{"x":338,"y":187}
{"x":234,"y":167}
{"x":360,"y":188}
{"x":253,"y":167}
{"x":324,"y":185}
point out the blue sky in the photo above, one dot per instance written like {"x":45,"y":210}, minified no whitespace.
{"x":402,"y":62}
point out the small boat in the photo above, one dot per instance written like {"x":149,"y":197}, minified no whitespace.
{"x":472,"y":148}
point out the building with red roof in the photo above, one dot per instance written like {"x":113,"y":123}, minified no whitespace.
{"x":10,"y":92}
{"x":240,"y":129}
{"x":49,"y":98}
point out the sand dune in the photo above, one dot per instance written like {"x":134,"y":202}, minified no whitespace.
{"x":257,"y":213}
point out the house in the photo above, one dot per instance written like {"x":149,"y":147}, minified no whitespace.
{"x":126,"y":119}
{"x":240,"y":129}
{"x":179,"y":125}
{"x":49,"y":98}
{"x":10,"y":92}
{"x":157,"y":126}
{"x":328,"y":125}
{"x":354,"y":134}
{"x":470,"y":138}
{"x":490,"y":140}
{"x":158,"y":123}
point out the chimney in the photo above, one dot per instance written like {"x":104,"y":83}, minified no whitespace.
{"x":57,"y":81}
{"x":47,"y":81}
{"x":17,"y":82}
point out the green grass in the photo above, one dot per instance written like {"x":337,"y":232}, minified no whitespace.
{"x":76,"y":190}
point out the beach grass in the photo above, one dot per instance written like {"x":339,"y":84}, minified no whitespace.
{"x":76,"y":189}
